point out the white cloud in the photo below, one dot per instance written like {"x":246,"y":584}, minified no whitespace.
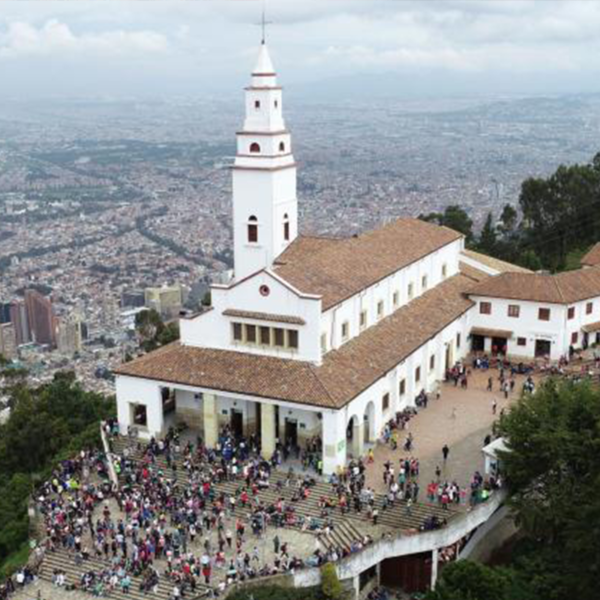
{"x":54,"y":37}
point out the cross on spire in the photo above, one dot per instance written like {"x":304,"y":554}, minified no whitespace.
{"x":263,"y":23}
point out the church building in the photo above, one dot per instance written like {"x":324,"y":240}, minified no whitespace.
{"x":327,"y":338}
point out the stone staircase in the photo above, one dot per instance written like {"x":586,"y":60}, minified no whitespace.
{"x":65,"y":561}
{"x":353,"y":526}
{"x":343,"y":535}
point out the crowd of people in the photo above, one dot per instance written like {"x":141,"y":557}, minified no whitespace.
{"x":24,"y":576}
{"x":188,"y":515}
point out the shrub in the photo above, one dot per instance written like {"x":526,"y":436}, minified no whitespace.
{"x":330,"y":584}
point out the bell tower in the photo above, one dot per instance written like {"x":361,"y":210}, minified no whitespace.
{"x":265,"y":207}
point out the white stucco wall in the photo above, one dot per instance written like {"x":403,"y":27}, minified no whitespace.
{"x":133,"y":390}
{"x":213,"y":329}
{"x":349,"y":310}
{"x":527,"y":325}
{"x":404,"y":545}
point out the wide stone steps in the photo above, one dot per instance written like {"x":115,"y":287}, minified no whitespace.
{"x":65,"y":561}
{"x":395,"y":517}
{"x":343,"y":536}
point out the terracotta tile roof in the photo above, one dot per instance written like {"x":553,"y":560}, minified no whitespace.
{"x":261,"y":316}
{"x":343,"y":374}
{"x":592,"y":327}
{"x":592,"y":257}
{"x":580,"y":284}
{"x":562,"y":288}
{"x":495,"y":263}
{"x":339,"y":268}
{"x":229,"y":371}
{"x":472,"y":272}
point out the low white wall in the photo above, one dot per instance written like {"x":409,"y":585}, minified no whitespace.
{"x":404,"y":545}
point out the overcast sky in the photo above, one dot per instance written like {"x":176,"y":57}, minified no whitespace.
{"x":170,"y":47}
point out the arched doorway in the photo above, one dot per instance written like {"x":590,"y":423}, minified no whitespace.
{"x":354,"y":438}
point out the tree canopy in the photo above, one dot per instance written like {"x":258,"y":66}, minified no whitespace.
{"x":153,"y":332}
{"x":553,"y":472}
{"x":453,"y":217}
{"x":559,"y":214}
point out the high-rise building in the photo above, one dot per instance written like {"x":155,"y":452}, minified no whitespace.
{"x":20,"y":321}
{"x":133,"y":299}
{"x":109,"y":317}
{"x":166,"y":300}
{"x":8,"y":341}
{"x":42,"y":320}
{"x":69,"y":335}
{"x":4,"y":312}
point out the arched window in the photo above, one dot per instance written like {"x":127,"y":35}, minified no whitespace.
{"x":252,"y":229}
{"x":281,"y":147}
{"x":286,"y":227}
{"x":257,"y":104}
{"x":276,"y":104}
{"x":254,"y":147}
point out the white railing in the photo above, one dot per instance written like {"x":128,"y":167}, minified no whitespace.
{"x":109,"y":456}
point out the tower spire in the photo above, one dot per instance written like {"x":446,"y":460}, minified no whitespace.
{"x":263,"y":24}
{"x":265,"y":211}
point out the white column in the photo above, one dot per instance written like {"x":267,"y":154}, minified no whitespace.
{"x":358,"y":438}
{"x":156,"y":417}
{"x":434,"y":567}
{"x":211,"y":420}
{"x":356,"y":586}
{"x":334,"y":441}
{"x":267,"y":430}
{"x":123,"y":407}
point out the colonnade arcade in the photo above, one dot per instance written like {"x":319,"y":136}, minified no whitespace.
{"x":206,"y":414}
{"x":360,"y":431}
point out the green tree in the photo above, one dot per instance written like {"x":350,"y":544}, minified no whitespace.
{"x":331,"y":586}
{"x":467,"y":580}
{"x":207,"y":299}
{"x":529,"y":259}
{"x":488,"y":239}
{"x":508,"y":220}
{"x":153,"y":332}
{"x":455,"y":218}
{"x":553,"y":473}
{"x":561,"y":213}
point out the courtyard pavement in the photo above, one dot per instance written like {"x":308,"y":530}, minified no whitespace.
{"x":459,"y":418}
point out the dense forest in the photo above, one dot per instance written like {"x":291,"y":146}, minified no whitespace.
{"x":558,"y":218}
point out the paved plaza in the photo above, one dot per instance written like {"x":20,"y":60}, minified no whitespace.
{"x":460,"y":418}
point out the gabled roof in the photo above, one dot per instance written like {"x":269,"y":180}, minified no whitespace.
{"x":337,"y":269}
{"x":562,"y":288}
{"x":344,"y":373}
{"x":592,"y":257}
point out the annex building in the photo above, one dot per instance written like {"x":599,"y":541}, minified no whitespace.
{"x":326,"y":337}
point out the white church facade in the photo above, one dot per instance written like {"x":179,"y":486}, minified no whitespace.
{"x":317,"y":337}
